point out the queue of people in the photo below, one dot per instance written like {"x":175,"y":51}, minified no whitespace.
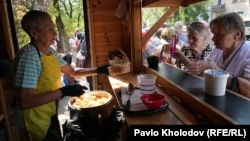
{"x":73,"y":46}
{"x":36,"y":72}
{"x":231,"y":53}
{"x":218,"y":45}
{"x":78,"y":50}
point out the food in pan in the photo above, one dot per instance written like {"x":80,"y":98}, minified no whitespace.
{"x":91,"y":99}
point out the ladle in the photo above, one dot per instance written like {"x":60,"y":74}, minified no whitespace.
{"x":130,"y":91}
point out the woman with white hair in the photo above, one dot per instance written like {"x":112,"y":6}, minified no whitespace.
{"x":197,"y":47}
{"x":231,"y":53}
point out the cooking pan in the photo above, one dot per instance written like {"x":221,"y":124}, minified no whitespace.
{"x":91,"y":114}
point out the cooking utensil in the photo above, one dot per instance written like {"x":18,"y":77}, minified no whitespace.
{"x":98,"y":113}
{"x":130,"y":91}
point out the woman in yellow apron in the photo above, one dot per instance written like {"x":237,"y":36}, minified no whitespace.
{"x":37,"y":77}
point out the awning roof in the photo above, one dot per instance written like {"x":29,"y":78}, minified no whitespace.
{"x":167,"y":3}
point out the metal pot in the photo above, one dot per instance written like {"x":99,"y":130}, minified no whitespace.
{"x":94,"y":114}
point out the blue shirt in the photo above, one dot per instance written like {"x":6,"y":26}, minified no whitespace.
{"x":27,"y":66}
{"x":26,"y":70}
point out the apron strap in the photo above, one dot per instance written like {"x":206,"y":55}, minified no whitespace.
{"x":38,"y":52}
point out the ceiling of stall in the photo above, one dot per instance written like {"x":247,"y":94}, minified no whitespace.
{"x":167,"y":3}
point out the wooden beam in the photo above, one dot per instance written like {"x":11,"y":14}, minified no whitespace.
{"x":166,"y":3}
{"x":158,"y":24}
{"x":188,"y":2}
{"x":161,"y":3}
{"x":4,"y":17}
{"x":5,"y":112}
{"x":136,"y":48}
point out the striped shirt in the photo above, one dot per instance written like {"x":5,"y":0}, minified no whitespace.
{"x":26,"y":70}
{"x":27,"y":66}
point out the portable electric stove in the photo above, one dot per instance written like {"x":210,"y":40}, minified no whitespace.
{"x":90,"y":130}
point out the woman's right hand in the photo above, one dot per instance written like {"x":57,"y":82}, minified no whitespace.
{"x":73,"y":90}
{"x":181,"y":57}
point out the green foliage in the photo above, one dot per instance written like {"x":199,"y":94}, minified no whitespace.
{"x":186,"y":14}
{"x":70,"y":11}
{"x":151,"y":16}
{"x":72,"y":15}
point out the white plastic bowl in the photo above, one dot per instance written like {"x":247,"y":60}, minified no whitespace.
{"x":147,"y":87}
{"x":146,"y":79}
{"x":147,"y":92}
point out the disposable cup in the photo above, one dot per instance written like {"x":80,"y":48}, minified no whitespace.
{"x":215,"y":82}
{"x":153,"y":61}
{"x":146,"y":83}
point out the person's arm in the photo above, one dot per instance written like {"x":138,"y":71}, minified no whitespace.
{"x":197,"y":68}
{"x":181,"y":57}
{"x":243,"y":83}
{"x":28,"y":98}
{"x":69,"y":70}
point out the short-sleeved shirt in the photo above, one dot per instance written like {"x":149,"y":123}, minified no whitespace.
{"x":26,"y":71}
{"x":27,"y":66}
{"x":190,"y":54}
{"x":238,"y":63}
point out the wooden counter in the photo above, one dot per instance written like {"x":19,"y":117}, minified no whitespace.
{"x":188,"y":103}
{"x":229,"y":109}
{"x":175,"y":114}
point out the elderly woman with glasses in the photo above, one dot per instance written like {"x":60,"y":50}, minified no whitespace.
{"x":231,"y":53}
{"x":197,"y":47}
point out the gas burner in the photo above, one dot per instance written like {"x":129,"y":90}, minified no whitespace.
{"x":90,"y":130}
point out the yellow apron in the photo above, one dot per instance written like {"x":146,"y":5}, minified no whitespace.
{"x":37,"y":120}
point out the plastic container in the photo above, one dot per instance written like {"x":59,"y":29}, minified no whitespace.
{"x":153,"y":101}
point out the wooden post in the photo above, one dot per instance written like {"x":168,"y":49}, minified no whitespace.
{"x":5,"y":112}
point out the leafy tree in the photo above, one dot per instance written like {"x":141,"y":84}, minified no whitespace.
{"x":67,"y":15}
{"x":186,"y":14}
{"x":20,"y":7}
{"x":195,"y":12}
{"x":151,"y":16}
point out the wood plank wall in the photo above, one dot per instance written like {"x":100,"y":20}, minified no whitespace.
{"x":6,"y":45}
{"x":106,"y":30}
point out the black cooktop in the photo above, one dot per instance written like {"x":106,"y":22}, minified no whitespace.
{"x":90,"y":130}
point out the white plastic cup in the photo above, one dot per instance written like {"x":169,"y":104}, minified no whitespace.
{"x":215,"y":82}
{"x":147,"y":83}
